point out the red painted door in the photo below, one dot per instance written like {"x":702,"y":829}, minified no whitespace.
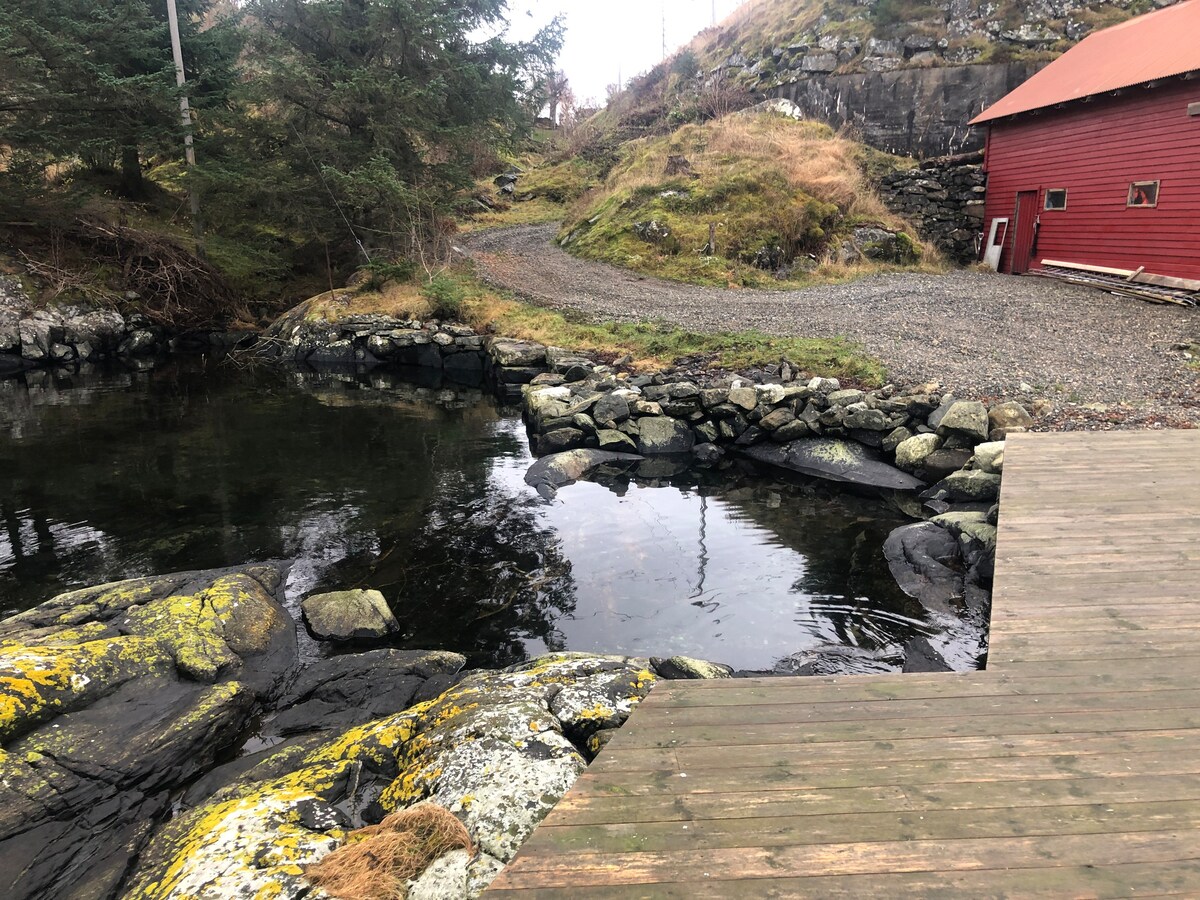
{"x":1023,"y":234}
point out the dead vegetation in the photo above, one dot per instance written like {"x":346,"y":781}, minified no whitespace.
{"x":377,"y":861}
{"x":761,"y":194}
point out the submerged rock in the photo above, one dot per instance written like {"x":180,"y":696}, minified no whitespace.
{"x":113,"y":697}
{"x":349,"y":615}
{"x":835,"y":460}
{"x":838,"y":659}
{"x":925,"y":560}
{"x":498,"y":749}
{"x":559,"y":469}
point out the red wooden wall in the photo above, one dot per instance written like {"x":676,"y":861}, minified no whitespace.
{"x":1094,"y":150}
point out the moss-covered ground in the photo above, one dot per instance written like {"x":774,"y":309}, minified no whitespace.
{"x":745,"y":200}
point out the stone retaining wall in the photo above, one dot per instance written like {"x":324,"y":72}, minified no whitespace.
{"x":944,"y":199}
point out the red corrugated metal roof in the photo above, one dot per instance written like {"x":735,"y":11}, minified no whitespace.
{"x":1157,"y":45}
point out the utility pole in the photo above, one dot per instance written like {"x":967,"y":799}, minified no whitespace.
{"x":185,"y":116}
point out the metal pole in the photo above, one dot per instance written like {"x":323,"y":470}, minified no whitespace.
{"x":185,"y":117}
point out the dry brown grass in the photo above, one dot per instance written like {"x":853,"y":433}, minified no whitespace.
{"x":810,"y":155}
{"x":401,"y":300}
{"x":378,"y":860}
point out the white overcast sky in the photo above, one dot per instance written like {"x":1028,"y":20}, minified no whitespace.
{"x":615,"y":36}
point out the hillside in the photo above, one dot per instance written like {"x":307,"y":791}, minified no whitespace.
{"x":906,"y":75}
{"x":754,"y":199}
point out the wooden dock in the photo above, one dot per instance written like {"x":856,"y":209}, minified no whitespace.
{"x":1070,"y":767}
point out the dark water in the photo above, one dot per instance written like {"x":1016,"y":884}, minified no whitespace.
{"x":372,"y":482}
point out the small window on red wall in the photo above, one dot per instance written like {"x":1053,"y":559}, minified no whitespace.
{"x":1056,"y":198}
{"x":1143,"y":193}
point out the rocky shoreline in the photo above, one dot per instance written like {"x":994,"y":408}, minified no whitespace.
{"x":161,"y":740}
{"x":69,"y":335}
{"x":941,"y":456}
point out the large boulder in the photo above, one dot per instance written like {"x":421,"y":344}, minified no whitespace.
{"x":1005,"y":418}
{"x":349,"y":615}
{"x":968,"y":418}
{"x":111,"y":699}
{"x":989,"y":457}
{"x":353,"y":688}
{"x":662,"y":434}
{"x":967,"y":486}
{"x":835,"y":460}
{"x":499,"y":749}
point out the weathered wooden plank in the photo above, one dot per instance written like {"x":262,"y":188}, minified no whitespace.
{"x":1069,"y":678}
{"x":1171,"y":878}
{"x":725,"y":864}
{"x":1034,"y":722}
{"x":946,"y":707}
{"x":803,"y":775}
{"x":929,"y":824}
{"x":686,"y":759}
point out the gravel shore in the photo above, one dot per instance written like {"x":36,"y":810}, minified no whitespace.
{"x":1103,"y":361}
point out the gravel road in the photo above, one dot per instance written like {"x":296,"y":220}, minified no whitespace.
{"x":1102,"y":360}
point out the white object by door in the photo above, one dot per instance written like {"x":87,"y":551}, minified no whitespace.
{"x":995,"y":244}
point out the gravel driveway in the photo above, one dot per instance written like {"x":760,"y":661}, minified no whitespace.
{"x":1102,"y":360}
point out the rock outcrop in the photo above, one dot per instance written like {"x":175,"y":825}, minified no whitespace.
{"x":498,"y":749}
{"x":113,"y":697}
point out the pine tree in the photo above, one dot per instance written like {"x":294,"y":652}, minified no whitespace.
{"x":93,"y":80}
{"x":381,"y":107}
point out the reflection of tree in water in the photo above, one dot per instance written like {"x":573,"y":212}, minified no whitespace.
{"x":479,"y":575}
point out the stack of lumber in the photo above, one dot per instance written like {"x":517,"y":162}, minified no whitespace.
{"x":1126,"y":282}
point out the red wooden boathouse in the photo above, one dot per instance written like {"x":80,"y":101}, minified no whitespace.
{"x":1095,"y":160}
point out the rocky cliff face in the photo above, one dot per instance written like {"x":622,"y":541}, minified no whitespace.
{"x":907,"y":75}
{"x":911,"y":112}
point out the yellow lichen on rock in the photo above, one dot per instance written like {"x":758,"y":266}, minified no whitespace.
{"x":254,"y":843}
{"x":38,"y":682}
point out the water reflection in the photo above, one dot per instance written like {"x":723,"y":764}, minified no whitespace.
{"x":418,"y":491}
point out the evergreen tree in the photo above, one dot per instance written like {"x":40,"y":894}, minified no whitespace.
{"x":93,"y":80}
{"x":380,"y":108}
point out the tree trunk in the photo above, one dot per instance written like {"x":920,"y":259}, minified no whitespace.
{"x":133,"y":186}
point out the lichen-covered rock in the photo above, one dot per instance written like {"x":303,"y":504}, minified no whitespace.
{"x":457,"y":874}
{"x":912,"y":452}
{"x":835,"y":460}
{"x":498,"y":749}
{"x":113,"y":697}
{"x":349,"y":615}
{"x":685,"y":667}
